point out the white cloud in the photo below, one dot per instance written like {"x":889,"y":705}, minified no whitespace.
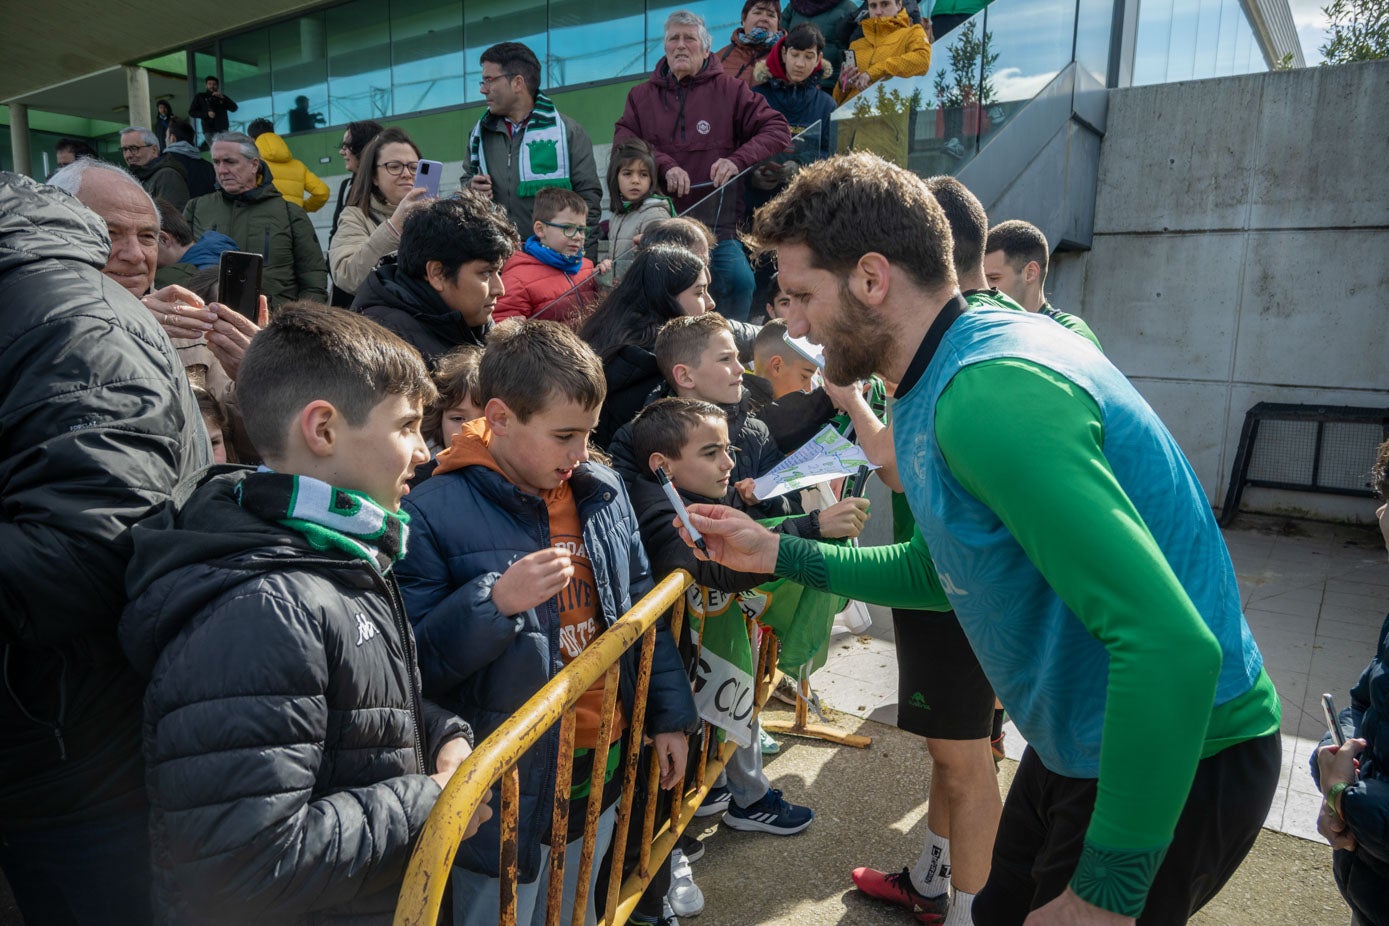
{"x":1311,"y":26}
{"x":1013,"y":84}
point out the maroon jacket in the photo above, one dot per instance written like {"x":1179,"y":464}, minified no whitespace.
{"x":693,"y":123}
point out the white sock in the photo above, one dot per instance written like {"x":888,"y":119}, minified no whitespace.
{"x":931,"y":874}
{"x":959,"y":914}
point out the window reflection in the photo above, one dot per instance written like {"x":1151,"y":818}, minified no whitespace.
{"x":359,"y":62}
{"x":246,"y":76}
{"x":299,"y":57}
{"x":595,"y":40}
{"x":426,"y":44}
{"x":721,"y":18}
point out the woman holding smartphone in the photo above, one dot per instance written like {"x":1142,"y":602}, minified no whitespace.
{"x":383,"y":193}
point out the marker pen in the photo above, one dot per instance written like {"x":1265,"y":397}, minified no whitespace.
{"x":675,"y":500}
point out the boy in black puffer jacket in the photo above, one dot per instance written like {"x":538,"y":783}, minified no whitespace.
{"x":291,"y":758}
{"x":524,"y":554}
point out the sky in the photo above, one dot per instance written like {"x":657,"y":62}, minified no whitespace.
{"x":1311,"y":27}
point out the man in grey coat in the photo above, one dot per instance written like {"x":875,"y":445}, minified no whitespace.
{"x":523,"y":144}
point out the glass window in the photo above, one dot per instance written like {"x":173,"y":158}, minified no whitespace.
{"x":487,"y":22}
{"x":1153,"y":42}
{"x":1181,"y":54}
{"x":1230,"y":14}
{"x":1094,"y":25}
{"x":595,"y":40}
{"x":1025,"y":44}
{"x":1244,"y":47}
{"x":426,"y":41}
{"x":299,"y":54}
{"x":246,"y":76}
{"x":1207,"y":39}
{"x":721,"y":18}
{"x":359,"y":62}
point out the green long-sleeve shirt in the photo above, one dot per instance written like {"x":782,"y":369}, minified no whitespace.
{"x":1063,"y":504}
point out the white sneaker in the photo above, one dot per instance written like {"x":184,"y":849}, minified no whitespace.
{"x":685,"y":897}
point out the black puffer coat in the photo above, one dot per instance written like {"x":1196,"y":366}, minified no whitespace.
{"x":286,"y":739}
{"x":412,"y":309}
{"x":97,"y":424}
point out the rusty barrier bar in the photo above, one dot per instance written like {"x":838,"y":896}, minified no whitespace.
{"x":495,"y":759}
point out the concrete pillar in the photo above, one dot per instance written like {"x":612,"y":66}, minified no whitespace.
{"x":19,"y":138}
{"x":137,"y":91}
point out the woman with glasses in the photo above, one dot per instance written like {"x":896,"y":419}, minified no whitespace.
{"x":383,"y":193}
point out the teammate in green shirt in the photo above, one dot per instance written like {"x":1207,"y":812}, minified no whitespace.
{"x":1015,"y":263}
{"x":1059,"y":519}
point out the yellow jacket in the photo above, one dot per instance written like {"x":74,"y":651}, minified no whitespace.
{"x":892,"y":47}
{"x":296,"y":183}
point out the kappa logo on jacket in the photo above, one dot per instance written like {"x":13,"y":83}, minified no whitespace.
{"x":365,"y":628}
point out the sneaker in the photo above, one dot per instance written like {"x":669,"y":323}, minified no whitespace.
{"x":998,"y":751}
{"x":716,"y":801}
{"x":685,"y":897}
{"x":691,"y":846}
{"x":954,"y":148}
{"x":770,"y":747}
{"x":773,"y":814}
{"x":667,"y":915}
{"x":897,"y":889}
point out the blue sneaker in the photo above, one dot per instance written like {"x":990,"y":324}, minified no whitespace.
{"x":716,"y":801}
{"x":773,"y":814}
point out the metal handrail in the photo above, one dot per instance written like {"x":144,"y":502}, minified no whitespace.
{"x":494,"y":760}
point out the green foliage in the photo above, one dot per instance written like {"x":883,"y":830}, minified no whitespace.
{"x":971,"y":67}
{"x":1359,"y":31}
{"x":886,"y":102}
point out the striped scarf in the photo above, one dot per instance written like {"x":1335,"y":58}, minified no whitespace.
{"x":544,"y":150}
{"x":329,"y":518}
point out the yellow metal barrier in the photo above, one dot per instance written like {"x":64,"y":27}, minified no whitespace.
{"x":494,"y":760}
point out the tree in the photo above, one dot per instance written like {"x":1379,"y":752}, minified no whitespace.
{"x":972,"y":63}
{"x":1359,"y":31}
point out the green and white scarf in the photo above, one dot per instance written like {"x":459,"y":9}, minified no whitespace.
{"x":329,"y":518}
{"x":544,"y":150}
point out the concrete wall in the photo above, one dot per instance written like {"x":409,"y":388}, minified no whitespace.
{"x":1241,"y":254}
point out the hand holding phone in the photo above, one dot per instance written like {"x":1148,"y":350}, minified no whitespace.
{"x":1328,"y":707}
{"x":239,"y":281}
{"x":427,"y":177}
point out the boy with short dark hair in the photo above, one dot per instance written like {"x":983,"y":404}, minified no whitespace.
{"x":525,"y":552}
{"x":291,"y":758}
{"x":779,"y":363}
{"x":549,"y":277}
{"x":689,"y":438}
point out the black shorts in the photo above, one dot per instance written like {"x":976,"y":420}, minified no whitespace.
{"x":941,"y":690}
{"x":1045,"y":817}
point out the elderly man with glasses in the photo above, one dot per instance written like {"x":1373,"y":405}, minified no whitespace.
{"x":522,"y":144}
{"x":247,"y":207}
{"x":162,"y":176}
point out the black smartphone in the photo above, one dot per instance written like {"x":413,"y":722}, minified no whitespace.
{"x":239,"y":281}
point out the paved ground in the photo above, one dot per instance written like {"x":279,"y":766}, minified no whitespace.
{"x":870,"y":810}
{"x":1315,"y":597}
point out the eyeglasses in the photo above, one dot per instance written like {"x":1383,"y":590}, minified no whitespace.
{"x":569,"y":231}
{"x":344,"y":147}
{"x":488,"y":81}
{"x":395,"y":167}
{"x":131,"y":149}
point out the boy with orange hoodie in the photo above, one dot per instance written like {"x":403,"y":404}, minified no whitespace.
{"x":522,"y":554}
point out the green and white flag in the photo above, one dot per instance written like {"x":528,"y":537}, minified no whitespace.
{"x":723,"y":682}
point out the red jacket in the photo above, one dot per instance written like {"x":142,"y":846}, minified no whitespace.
{"x":532,"y":285}
{"x":694,"y":122}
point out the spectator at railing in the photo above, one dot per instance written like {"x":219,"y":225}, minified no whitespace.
{"x":202,"y":179}
{"x":834,"y":19}
{"x":706,"y":128}
{"x":751,"y":42}
{"x":891,"y":46}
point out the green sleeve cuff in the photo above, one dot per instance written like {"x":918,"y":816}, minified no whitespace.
{"x":803,"y":562}
{"x":1116,"y":880}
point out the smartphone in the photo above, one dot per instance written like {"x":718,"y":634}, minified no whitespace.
{"x":850,"y":59}
{"x":427,"y":177}
{"x":1328,"y":707}
{"x":239,"y":281}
